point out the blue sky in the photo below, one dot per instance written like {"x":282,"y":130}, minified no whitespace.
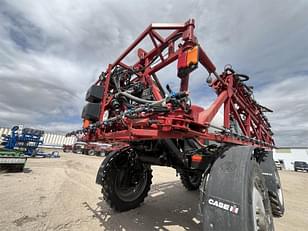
{"x":51,"y":51}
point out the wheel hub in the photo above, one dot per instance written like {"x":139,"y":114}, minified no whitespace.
{"x":130,"y":183}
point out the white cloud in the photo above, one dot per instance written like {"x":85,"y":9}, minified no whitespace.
{"x":289,"y":100}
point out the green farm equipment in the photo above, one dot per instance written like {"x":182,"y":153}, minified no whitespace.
{"x":12,"y":160}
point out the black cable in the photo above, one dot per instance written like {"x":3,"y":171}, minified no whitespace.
{"x":241,"y":77}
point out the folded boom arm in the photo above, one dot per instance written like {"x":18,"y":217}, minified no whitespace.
{"x":128,"y":103}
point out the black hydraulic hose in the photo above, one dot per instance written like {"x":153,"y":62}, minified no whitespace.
{"x":242,"y":77}
{"x":139,"y":100}
{"x":229,"y":69}
{"x":162,"y":92}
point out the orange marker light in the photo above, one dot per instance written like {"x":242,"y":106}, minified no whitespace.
{"x":86,"y":123}
{"x":192,"y":56}
{"x":196,"y":158}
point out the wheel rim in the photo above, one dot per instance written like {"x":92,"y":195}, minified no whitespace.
{"x":260,"y":217}
{"x":128,"y":187}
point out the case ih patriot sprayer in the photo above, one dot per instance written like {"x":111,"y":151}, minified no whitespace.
{"x":232,"y":164}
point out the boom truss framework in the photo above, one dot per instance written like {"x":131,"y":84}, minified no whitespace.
{"x":133,"y":117}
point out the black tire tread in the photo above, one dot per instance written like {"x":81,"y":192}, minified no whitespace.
{"x":184,"y":176}
{"x":107,"y":191}
{"x":276,"y":208}
{"x":267,"y":165}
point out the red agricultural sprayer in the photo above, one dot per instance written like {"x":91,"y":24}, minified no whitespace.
{"x":232,"y":164}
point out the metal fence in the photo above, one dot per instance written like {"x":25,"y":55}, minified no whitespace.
{"x":50,"y":139}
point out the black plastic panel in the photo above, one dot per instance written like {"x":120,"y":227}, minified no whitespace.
{"x":95,"y":94}
{"x":91,"y":111}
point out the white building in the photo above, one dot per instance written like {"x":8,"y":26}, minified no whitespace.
{"x":287,"y":155}
{"x":50,"y":139}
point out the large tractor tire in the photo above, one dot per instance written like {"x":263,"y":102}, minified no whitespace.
{"x":191,"y":180}
{"x":236,"y":196}
{"x":273,"y":184}
{"x":125,"y":182}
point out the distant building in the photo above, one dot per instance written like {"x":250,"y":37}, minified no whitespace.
{"x":50,"y":139}
{"x":287,"y":155}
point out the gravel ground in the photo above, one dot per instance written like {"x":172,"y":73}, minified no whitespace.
{"x":61,"y":194}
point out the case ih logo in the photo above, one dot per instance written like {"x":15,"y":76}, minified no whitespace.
{"x":230,"y":207}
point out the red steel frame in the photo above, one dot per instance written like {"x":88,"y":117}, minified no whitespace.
{"x":232,"y":95}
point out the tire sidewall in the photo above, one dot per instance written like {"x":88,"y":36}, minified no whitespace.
{"x":231,"y":181}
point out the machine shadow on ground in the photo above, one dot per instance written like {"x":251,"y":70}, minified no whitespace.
{"x":7,"y":172}
{"x":168,"y":206}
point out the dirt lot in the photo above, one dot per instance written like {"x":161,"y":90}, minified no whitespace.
{"x":60,"y":194}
